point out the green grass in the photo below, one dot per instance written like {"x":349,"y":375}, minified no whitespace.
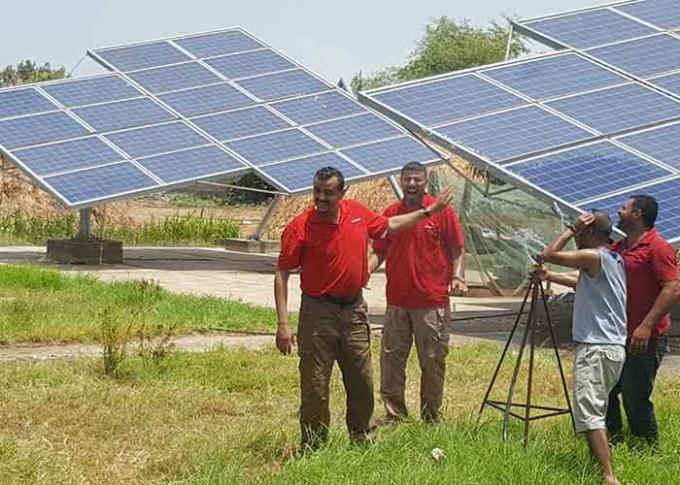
{"x":190,"y":230}
{"x":225,"y":417}
{"x":43,"y":305}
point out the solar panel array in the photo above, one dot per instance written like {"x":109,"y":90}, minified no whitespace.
{"x":192,"y":108}
{"x":562,"y":126}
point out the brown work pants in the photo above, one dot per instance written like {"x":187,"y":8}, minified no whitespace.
{"x":328,"y":332}
{"x":429,"y":328}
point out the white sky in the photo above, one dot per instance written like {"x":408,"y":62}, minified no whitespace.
{"x":333,"y":38}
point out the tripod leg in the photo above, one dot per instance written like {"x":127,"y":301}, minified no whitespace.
{"x":527,"y":410}
{"x":557,"y":356}
{"x":515,"y":374}
{"x":505,"y":351}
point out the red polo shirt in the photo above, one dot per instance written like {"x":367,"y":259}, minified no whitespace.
{"x":418,"y":261}
{"x":332,"y":256}
{"x":648,"y":263}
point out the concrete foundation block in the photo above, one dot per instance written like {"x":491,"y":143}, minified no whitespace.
{"x":85,"y":251}
{"x":270,"y":246}
{"x":242,"y":245}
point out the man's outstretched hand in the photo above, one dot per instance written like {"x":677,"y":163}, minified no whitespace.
{"x":442,"y":201}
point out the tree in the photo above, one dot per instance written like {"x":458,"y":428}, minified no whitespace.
{"x":27,"y":71}
{"x":447,"y":45}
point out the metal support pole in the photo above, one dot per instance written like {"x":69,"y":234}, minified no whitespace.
{"x":508,"y":47}
{"x":84,"y":231}
{"x":396,"y":188}
{"x":267,"y":218}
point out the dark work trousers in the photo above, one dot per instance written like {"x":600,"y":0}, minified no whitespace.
{"x":636,"y":386}
{"x":329,"y":332}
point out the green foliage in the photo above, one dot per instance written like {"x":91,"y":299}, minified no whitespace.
{"x":447,"y":45}
{"x":27,"y":71}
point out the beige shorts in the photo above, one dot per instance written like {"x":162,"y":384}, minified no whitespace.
{"x":597,"y":369}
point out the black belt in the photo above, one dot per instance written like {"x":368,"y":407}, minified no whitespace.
{"x":348,"y":301}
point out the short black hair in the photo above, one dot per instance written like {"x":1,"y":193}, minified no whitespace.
{"x":648,"y":206}
{"x":327,"y":173}
{"x":414,"y":167}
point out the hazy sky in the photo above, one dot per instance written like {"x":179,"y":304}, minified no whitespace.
{"x":333,"y":38}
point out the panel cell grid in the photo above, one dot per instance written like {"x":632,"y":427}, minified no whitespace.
{"x":154,"y":140}
{"x":590,"y":29}
{"x":670,"y":83}
{"x":667,"y":193}
{"x":450,"y":99}
{"x":241,"y":123}
{"x":101,"y":182}
{"x":142,"y":56}
{"x":172,"y":78}
{"x":248,"y":64}
{"x":275,"y":147}
{"x":123,"y":114}
{"x":354,"y":130}
{"x":273,"y":87}
{"x":618,"y":109}
{"x":511,"y":134}
{"x":190,"y":164}
{"x":68,"y":156}
{"x":662,"y":144}
{"x":665,"y":14}
{"x":318,"y":107}
{"x":17,"y":102}
{"x":554,"y":76}
{"x":80,"y":92}
{"x":390,"y":155}
{"x":38,"y":129}
{"x":207,"y":99}
{"x":219,"y":43}
{"x":642,"y":57}
{"x":296,"y":175}
{"x":586,"y":172}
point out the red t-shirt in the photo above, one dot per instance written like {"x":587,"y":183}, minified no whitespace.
{"x":648,"y":263}
{"x":332,"y":256}
{"x":419,"y":260}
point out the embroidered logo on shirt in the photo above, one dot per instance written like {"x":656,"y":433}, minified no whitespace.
{"x":356,"y":221}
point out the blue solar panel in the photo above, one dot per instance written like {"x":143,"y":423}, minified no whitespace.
{"x":251,"y":63}
{"x":142,"y":56}
{"x":296,"y":175}
{"x":665,"y":14}
{"x":618,"y":109}
{"x":450,"y":99}
{"x":642,"y":57}
{"x":354,"y":130}
{"x":670,"y":83}
{"x":282,"y":85}
{"x":390,"y":155}
{"x":38,"y":129}
{"x":589,"y":171}
{"x":590,"y":29}
{"x":205,"y":100}
{"x":68,"y":156}
{"x":241,"y":123}
{"x":318,"y":107}
{"x":79,"y":92}
{"x":274,"y":147}
{"x":101,"y":182}
{"x":190,"y":164}
{"x":210,"y":45}
{"x":554,"y":76}
{"x":666,"y":193}
{"x":153,"y":140}
{"x":123,"y":114}
{"x":17,"y":102}
{"x":172,"y":78}
{"x":513,"y":133}
{"x":662,"y":144}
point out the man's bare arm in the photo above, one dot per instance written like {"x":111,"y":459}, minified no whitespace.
{"x":587,"y":259}
{"x":374,"y":261}
{"x":284,"y":335}
{"x":669,"y":296}
{"x":565,"y":279}
{"x":404,"y":221}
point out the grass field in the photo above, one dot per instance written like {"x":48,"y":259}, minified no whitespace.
{"x":225,"y":417}
{"x":42,"y":305}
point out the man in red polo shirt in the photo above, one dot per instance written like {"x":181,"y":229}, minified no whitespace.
{"x":652,"y":280}
{"x":329,"y":243}
{"x":423,"y":264}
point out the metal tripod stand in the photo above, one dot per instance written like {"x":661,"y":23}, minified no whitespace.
{"x":535,"y":291}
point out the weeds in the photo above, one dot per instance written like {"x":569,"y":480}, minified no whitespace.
{"x":114,"y":335}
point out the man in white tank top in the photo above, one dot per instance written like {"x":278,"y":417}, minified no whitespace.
{"x":599,"y":324}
